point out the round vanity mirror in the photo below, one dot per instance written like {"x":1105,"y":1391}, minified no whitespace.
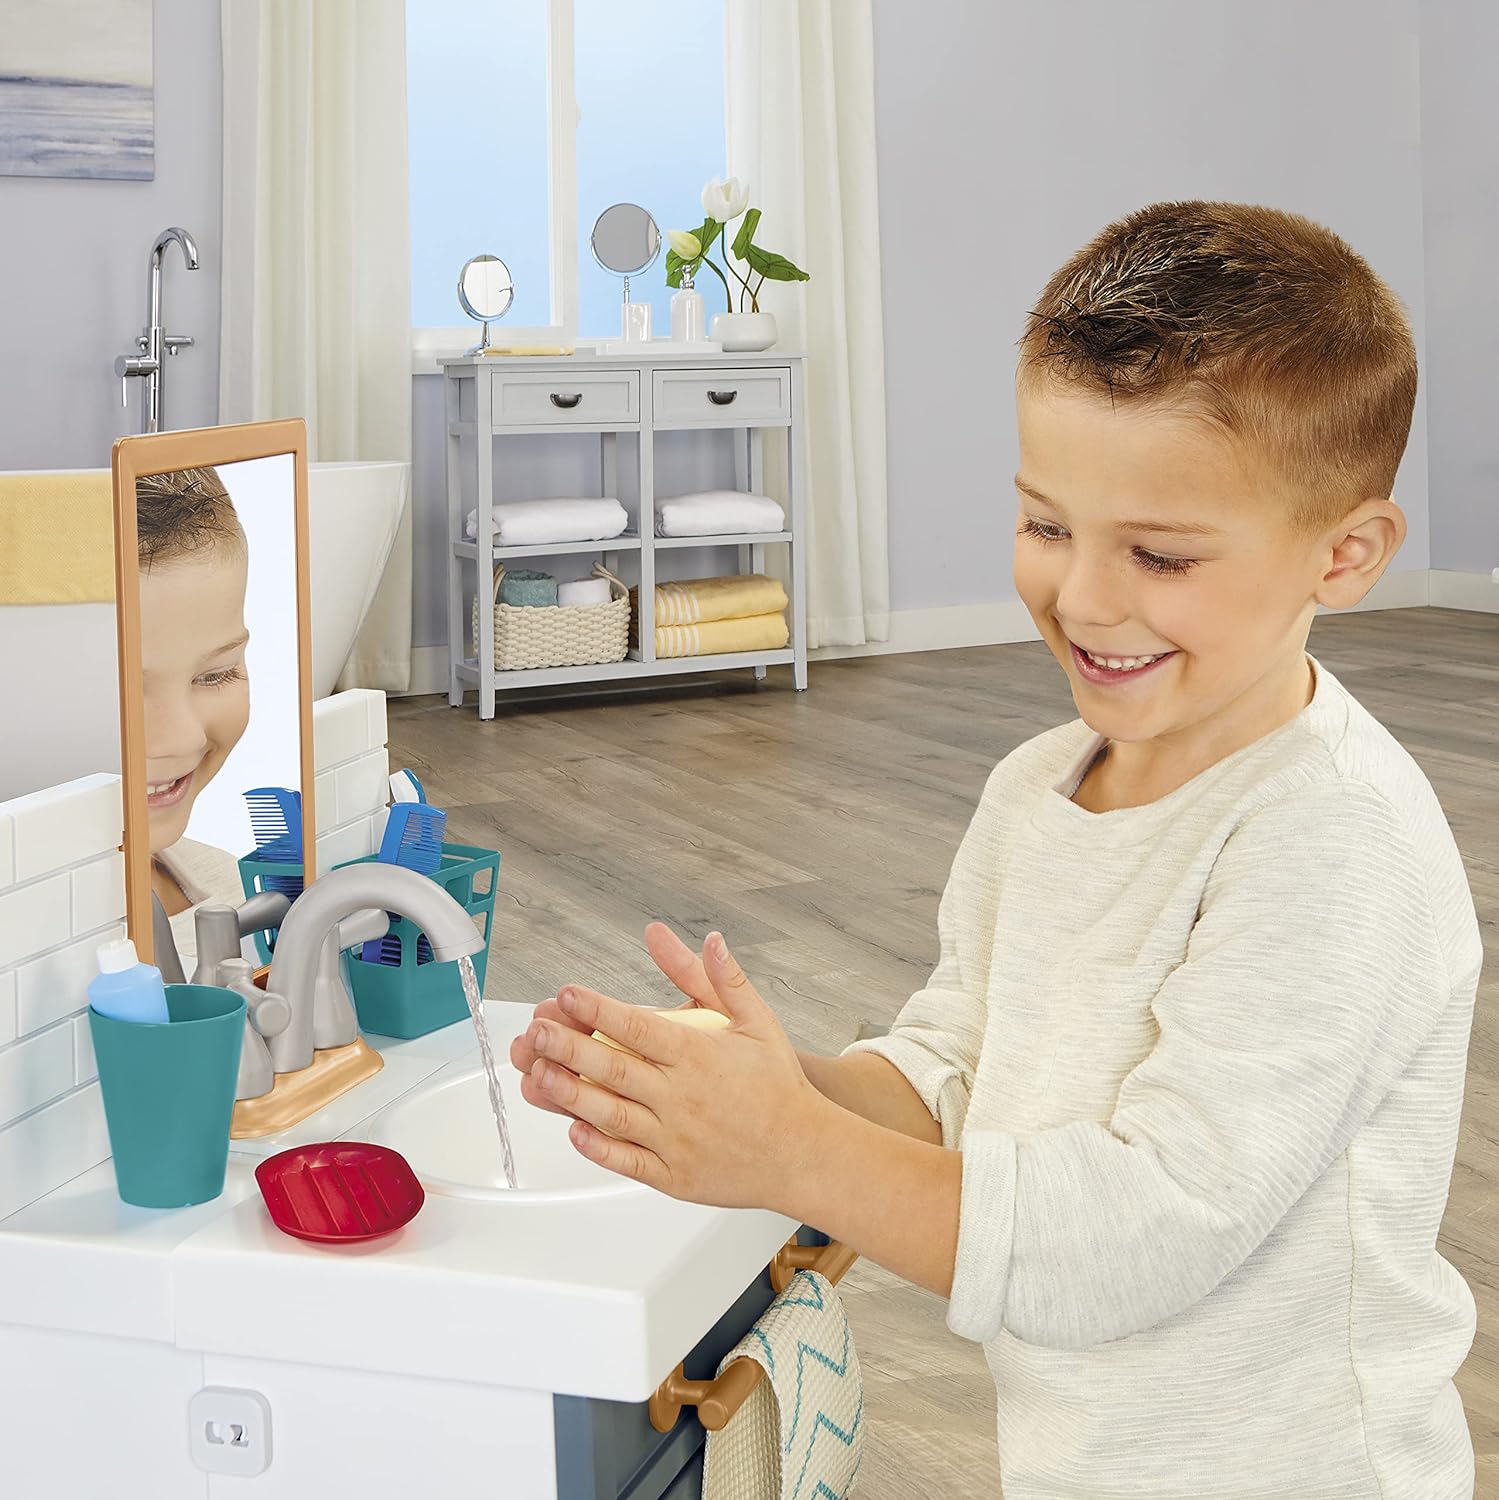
{"x":485,"y":291}
{"x":625,"y":239}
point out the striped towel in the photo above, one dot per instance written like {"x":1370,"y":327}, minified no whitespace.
{"x":731,"y":598}
{"x":714,"y":637}
{"x":800,"y":1433}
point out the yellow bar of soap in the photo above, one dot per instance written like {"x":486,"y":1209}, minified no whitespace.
{"x":688,"y":1015}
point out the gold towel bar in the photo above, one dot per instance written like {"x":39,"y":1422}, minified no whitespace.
{"x":717,"y":1400}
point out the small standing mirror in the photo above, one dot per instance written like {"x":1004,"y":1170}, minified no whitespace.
{"x":215,"y":653}
{"x":626,"y":241}
{"x":485,"y":292}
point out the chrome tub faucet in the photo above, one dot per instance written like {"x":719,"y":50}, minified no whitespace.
{"x":146,"y":365}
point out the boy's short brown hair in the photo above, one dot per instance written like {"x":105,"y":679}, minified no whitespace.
{"x":1258,"y":321}
{"x":182,"y":512}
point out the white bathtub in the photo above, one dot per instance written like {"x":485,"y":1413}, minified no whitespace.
{"x":58,"y":674}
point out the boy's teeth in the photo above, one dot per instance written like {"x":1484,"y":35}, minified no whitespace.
{"x":1123,"y":663}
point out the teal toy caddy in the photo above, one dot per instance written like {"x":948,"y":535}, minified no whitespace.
{"x":410,"y":998}
{"x":257,"y":875}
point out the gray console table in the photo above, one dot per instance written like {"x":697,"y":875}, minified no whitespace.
{"x":493,"y":396}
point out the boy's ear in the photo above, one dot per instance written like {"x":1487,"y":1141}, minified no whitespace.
{"x":1372,"y":536}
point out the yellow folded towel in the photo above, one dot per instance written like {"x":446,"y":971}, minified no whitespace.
{"x":694,"y":600}
{"x":714,"y":637}
{"x":57,"y":539}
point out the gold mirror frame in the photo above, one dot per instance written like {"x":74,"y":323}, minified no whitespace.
{"x":162,"y":453}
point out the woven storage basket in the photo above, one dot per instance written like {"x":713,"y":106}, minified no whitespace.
{"x":561,"y":635}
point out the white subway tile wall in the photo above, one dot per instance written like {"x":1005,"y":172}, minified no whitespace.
{"x":353,"y":774}
{"x":62,"y":893}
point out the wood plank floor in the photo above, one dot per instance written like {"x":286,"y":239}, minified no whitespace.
{"x":817,"y":830}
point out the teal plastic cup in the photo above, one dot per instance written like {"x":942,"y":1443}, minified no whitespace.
{"x":169,"y":1095}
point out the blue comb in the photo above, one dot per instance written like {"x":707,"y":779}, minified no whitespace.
{"x":276,"y":821}
{"x":413,"y":839}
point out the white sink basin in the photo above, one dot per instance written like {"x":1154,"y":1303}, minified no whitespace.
{"x":447,"y":1132}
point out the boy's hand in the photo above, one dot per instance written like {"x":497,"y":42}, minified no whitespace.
{"x":675,"y":960}
{"x":523,"y":1054}
{"x":721,"y":1117}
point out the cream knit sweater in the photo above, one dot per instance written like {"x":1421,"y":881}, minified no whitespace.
{"x":1204,"y":1059}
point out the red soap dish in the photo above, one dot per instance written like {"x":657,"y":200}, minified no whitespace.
{"x":339,"y":1192}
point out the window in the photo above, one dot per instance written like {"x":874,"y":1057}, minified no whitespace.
{"x":525,"y":121}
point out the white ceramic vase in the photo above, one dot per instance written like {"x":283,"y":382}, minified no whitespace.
{"x":744,"y":333}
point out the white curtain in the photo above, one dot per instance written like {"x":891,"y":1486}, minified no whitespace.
{"x":799,"y":106}
{"x":316,"y":299}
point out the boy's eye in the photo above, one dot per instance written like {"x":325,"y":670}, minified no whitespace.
{"x":219,"y":678}
{"x":1151,"y":560}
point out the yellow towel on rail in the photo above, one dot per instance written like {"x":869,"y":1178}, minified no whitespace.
{"x":714,"y":637}
{"x":693,"y":600}
{"x":57,"y":539}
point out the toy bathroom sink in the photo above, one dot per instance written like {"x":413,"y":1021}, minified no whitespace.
{"x":447,"y":1132}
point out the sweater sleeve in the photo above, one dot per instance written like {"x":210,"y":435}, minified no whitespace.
{"x":1313,"y":974}
{"x":936,"y":1039}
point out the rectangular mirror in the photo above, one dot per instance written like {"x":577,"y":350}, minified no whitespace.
{"x":215,"y":663}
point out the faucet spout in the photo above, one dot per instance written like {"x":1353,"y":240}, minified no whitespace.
{"x":328,"y":901}
{"x":183,"y":238}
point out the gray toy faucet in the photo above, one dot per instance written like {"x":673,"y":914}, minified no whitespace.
{"x":312,"y":936}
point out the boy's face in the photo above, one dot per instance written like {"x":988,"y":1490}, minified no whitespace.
{"x":197,"y":691}
{"x":1236,"y":620}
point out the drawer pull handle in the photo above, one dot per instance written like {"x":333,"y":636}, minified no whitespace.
{"x":721,"y":398}
{"x":566,"y":402}
{"x":717,"y":1400}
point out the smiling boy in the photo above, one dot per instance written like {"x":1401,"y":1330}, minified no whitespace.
{"x":193,"y":572}
{"x":1173,"y":1121}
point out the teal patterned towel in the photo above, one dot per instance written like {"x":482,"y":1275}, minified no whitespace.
{"x":525,"y":586}
{"x":800,"y":1433}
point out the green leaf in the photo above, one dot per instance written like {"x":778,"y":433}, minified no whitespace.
{"x":746,"y":235}
{"x":772,"y":266}
{"x":674,"y":264}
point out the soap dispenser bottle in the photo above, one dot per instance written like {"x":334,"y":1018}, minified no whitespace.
{"x":688,"y":317}
{"x":125,"y":988}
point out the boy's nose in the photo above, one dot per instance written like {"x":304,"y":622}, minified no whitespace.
{"x":1091,"y":593}
{"x":174,"y":733}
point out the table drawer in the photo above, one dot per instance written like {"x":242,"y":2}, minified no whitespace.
{"x":608,"y":398}
{"x":755,"y":397}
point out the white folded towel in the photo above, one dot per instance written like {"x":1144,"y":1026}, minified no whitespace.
{"x":718,"y":513}
{"x":528,"y":523}
{"x":584,"y":592}
{"x":800,"y":1432}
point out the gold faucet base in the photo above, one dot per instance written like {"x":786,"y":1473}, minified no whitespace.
{"x":333,"y":1071}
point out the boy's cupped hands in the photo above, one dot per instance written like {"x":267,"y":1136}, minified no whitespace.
{"x":723,"y":1117}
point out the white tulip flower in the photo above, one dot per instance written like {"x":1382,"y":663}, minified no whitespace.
{"x":687,"y":246}
{"x":725,"y":199}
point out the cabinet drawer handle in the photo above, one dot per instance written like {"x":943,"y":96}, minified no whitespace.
{"x":721,"y":398}
{"x":566,"y":402}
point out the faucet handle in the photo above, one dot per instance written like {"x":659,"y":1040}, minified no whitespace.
{"x":127,"y":365}
{"x":271,"y":1016}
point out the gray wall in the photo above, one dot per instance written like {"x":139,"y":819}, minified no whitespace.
{"x":73,"y":259}
{"x":1460,"y":156}
{"x":1021,"y":130}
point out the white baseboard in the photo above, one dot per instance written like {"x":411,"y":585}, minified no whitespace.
{"x":1007,"y":620}
{"x":1476,"y":591}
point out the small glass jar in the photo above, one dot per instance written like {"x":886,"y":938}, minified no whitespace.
{"x":689,"y":319}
